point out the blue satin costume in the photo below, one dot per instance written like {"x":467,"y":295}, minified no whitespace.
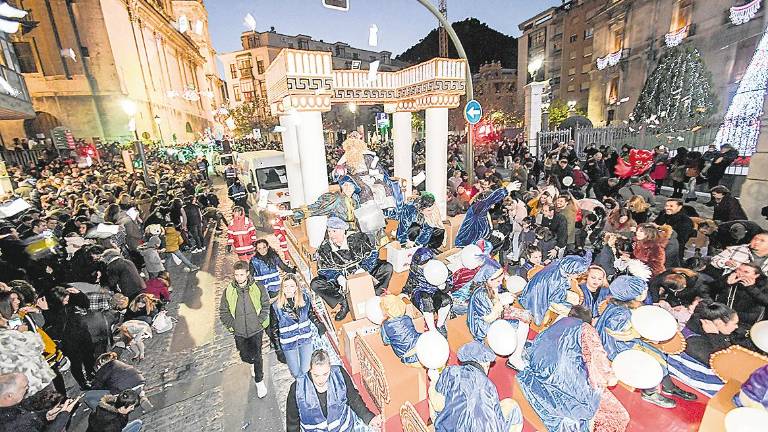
{"x":603,"y":294}
{"x":556,"y":381}
{"x":400,"y":333}
{"x":476,"y":225}
{"x":549,"y":285}
{"x":471,"y":402}
{"x":479,"y":306}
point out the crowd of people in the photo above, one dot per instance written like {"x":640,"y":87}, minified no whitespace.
{"x":589,"y":245}
{"x":87,"y":248}
{"x":556,"y":242}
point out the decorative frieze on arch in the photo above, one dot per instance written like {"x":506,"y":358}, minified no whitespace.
{"x":305,"y":81}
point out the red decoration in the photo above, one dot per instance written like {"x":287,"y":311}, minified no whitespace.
{"x":640,"y":161}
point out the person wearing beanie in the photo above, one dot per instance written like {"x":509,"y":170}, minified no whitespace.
{"x":618,"y":335}
{"x":466,"y":400}
{"x":547,"y":289}
{"x":487,"y":306}
{"x":341,"y":255}
{"x":567,"y":379}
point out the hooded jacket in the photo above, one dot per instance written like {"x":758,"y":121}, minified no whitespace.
{"x":121,"y":274}
{"x":106,"y":418}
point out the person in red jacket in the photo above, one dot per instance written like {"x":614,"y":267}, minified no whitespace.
{"x":241,"y":235}
{"x":160,"y":287}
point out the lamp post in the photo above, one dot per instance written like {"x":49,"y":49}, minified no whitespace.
{"x":157,"y":122}
{"x":130,"y":108}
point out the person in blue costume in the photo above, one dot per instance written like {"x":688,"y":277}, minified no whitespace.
{"x":325,"y":399}
{"x":466,"y":400}
{"x":398,"y":330}
{"x":618,"y":335}
{"x":430,"y":299}
{"x":341,"y":204}
{"x":595,"y":289}
{"x":567,"y":378}
{"x":486,"y":306}
{"x":420,"y":223}
{"x":477,"y":224}
{"x":547,"y":289}
{"x":754,"y":391}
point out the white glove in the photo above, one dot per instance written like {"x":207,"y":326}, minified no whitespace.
{"x":342,"y":280}
{"x":513,"y":186}
{"x":358,"y":271}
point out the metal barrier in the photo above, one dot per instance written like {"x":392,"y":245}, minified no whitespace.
{"x":25,"y":158}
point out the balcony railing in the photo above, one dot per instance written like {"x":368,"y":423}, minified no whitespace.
{"x":246,"y":72}
{"x":16,"y":87}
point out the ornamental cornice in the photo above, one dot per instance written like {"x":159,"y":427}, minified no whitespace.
{"x":144,"y":14}
{"x":305,"y":81}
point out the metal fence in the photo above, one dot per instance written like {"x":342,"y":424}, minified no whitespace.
{"x":25,"y":158}
{"x":617,"y":136}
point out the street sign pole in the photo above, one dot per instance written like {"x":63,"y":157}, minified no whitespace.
{"x":473,"y":112}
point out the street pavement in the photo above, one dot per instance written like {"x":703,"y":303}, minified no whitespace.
{"x":195,"y":378}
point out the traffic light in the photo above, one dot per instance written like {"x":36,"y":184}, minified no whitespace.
{"x":342,"y":5}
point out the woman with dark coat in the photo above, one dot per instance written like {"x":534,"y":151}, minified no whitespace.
{"x":694,"y":163}
{"x":64,"y":324}
{"x":112,"y":413}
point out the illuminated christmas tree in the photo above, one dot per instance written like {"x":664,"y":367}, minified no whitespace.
{"x":741,"y":124}
{"x":678,"y":92}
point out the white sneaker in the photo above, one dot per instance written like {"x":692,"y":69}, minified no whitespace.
{"x":261,"y":389}
{"x":253,"y":372}
{"x":187,"y":270}
{"x":196,"y":251}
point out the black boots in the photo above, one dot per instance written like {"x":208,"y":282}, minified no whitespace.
{"x":342,"y":313}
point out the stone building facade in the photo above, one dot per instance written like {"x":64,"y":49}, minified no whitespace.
{"x":607,"y":48}
{"x":86,"y":58}
{"x":495,"y":87}
{"x":245,"y":69}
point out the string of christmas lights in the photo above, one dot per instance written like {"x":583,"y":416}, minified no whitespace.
{"x":744,"y":13}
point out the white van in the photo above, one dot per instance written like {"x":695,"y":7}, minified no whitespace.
{"x":263,"y":169}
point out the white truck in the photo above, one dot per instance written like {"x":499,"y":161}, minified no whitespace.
{"x":263,"y":170}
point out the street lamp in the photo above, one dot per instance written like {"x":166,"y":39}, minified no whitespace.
{"x":130,"y":108}
{"x":157,"y":122}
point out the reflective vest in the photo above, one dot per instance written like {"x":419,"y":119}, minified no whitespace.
{"x":267,"y":274}
{"x":254,"y":293}
{"x":294,"y":332}
{"x":230,"y":173}
{"x":340,"y":417}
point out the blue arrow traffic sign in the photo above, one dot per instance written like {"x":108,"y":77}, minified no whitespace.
{"x":473,"y":112}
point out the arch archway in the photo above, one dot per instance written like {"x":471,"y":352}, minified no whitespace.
{"x":41,"y":124}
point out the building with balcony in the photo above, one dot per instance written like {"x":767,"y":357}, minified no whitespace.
{"x":495,"y":87}
{"x":85,"y":58}
{"x":244,"y":69}
{"x":608,"y":48}
{"x":15,"y":103}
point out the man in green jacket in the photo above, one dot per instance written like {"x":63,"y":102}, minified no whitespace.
{"x":244,"y":311}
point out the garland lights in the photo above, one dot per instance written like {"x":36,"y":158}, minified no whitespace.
{"x":676,"y":37}
{"x":744,"y":13}
{"x":609,"y":60}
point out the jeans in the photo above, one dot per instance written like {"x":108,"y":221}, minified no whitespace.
{"x":133,"y":426}
{"x":298,"y":359}
{"x":196,"y":235}
{"x":180,"y":255}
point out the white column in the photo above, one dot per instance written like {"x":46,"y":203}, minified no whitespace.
{"x":292,"y":161}
{"x":403,"y":146}
{"x":314,"y":175}
{"x":437,"y":154}
{"x":533,"y":92}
